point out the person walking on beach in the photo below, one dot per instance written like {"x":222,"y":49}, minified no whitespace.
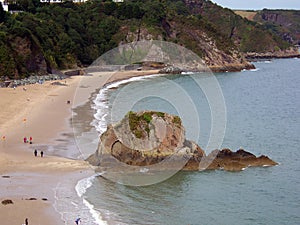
{"x":26,"y":221}
{"x":42,"y":154}
{"x":25,"y":139}
{"x":35,"y":153}
{"x":77,"y":221}
{"x":30,"y":140}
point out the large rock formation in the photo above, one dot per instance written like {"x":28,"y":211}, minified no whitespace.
{"x":149,"y":138}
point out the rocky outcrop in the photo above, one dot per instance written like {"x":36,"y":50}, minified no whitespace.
{"x":217,"y":58}
{"x":236,"y":161}
{"x":288,"y":53}
{"x":29,"y":56}
{"x":150,"y":138}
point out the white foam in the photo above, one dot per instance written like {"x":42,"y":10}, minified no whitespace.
{"x":184,"y":73}
{"x":83,"y":185}
{"x":266,"y":166}
{"x":101,"y":102}
{"x":254,"y":70}
{"x":101,"y":107}
{"x":95,"y":214}
{"x":144,"y":170}
{"x":81,"y":189}
{"x":265,"y":61}
{"x":118,"y":83}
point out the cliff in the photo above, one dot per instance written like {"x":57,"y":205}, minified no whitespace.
{"x":284,"y":23}
{"x":50,"y":36}
{"x":149,"y":138}
{"x":247,"y":35}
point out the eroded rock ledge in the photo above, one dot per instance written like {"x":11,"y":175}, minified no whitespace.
{"x":149,"y":138}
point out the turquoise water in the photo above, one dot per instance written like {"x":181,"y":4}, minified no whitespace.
{"x":263,"y":117}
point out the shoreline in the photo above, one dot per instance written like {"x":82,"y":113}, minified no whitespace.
{"x":42,"y":112}
{"x":26,"y":176}
{"x":23,"y":176}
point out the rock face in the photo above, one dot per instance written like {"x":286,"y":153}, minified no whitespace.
{"x":292,"y":52}
{"x":236,"y":161}
{"x":285,"y":23}
{"x":217,"y":59}
{"x":30,"y":55}
{"x":149,"y":138}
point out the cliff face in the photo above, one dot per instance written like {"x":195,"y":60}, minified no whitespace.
{"x":27,"y":53}
{"x":219,"y":56}
{"x":21,"y":55}
{"x":150,"y":138}
{"x":284,"y":23}
{"x":248,"y":36}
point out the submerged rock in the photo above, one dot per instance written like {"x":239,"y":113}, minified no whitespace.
{"x":155,"y":138}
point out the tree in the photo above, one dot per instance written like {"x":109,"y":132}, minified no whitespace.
{"x":2,"y":14}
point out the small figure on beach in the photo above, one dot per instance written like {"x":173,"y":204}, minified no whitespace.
{"x":35,"y":153}
{"x":42,"y":154}
{"x":77,"y":221}
{"x":30,"y":140}
{"x":26,"y":221}
{"x":25,"y":139}
{"x":68,"y":102}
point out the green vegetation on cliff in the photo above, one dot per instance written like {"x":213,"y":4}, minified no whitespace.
{"x":46,"y":36}
{"x":246,"y":34}
{"x":284,"y":23}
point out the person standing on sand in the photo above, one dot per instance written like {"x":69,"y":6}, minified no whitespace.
{"x":35,"y":153}
{"x":26,"y":221}
{"x":42,"y":154}
{"x":77,"y":221}
{"x":25,"y":139}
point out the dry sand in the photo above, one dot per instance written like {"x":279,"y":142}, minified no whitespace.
{"x":41,"y":112}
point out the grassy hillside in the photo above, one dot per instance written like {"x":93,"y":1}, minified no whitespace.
{"x":248,"y":14}
{"x":249,"y":36}
{"x":284,"y":23}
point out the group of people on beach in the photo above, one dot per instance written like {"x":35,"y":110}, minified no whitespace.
{"x":25,"y":140}
{"x":36,"y":153}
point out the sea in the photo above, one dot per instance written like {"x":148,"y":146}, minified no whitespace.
{"x":257,"y":110}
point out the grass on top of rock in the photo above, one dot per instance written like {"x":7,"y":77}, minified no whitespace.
{"x":177,"y":120}
{"x":139,"y":123}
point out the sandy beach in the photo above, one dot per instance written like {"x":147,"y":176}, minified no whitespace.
{"x":31,"y":183}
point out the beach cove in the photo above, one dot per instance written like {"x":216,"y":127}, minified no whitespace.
{"x":54,"y":176}
{"x":41,"y":111}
